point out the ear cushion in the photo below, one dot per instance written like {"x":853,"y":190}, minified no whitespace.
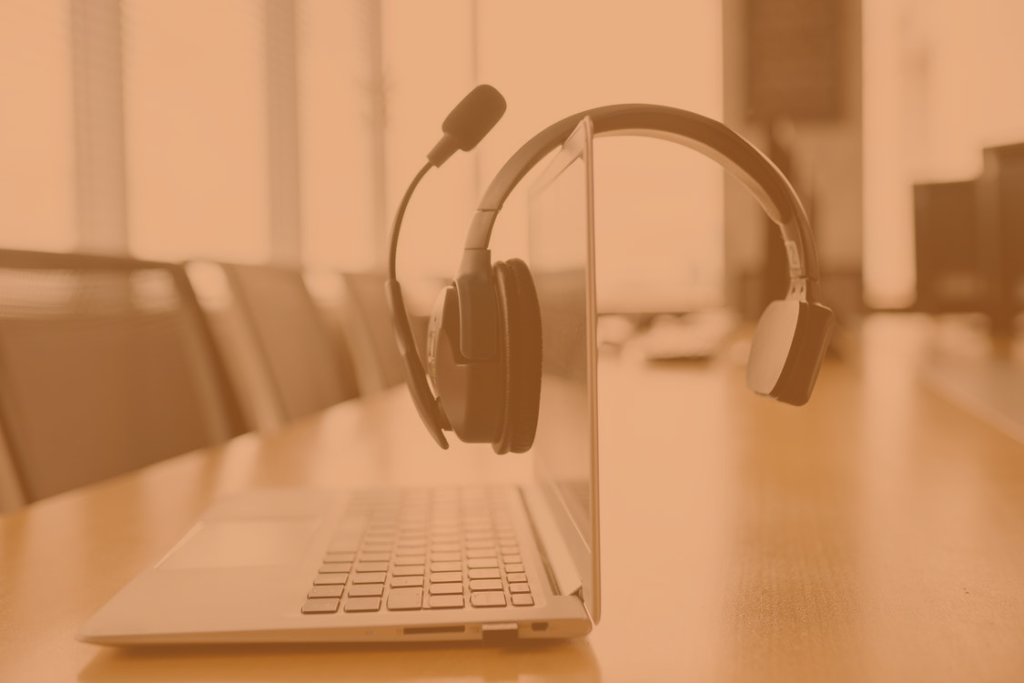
{"x":520,"y":333}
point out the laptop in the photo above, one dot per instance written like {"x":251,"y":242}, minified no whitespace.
{"x":392,"y":565}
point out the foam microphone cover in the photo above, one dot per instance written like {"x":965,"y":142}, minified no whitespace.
{"x":474,"y":116}
{"x":469,"y":122}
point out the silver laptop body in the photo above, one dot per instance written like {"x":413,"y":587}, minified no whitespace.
{"x":289,"y":565}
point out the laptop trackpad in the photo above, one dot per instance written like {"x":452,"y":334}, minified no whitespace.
{"x":242,"y":543}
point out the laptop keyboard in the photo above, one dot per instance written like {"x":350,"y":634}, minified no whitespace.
{"x":421,"y":549}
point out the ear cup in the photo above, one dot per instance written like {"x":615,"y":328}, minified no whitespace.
{"x":521,"y":343}
{"x":788,"y":348}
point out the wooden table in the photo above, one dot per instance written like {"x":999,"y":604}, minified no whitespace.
{"x":875,"y":535}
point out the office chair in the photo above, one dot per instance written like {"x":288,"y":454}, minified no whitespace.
{"x":106,"y":365}
{"x":373,"y":336}
{"x":948,"y":244}
{"x":300,"y":365}
{"x":1001,"y":217}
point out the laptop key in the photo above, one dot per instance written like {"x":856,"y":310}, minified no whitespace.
{"x":325,"y":592}
{"x":321,"y":606}
{"x":419,"y":550}
{"x":329,"y":567}
{"x":485,"y":585}
{"x":446,"y":547}
{"x":406,"y":581}
{"x":445,"y":567}
{"x":515,"y":568}
{"x":446,"y":557}
{"x":362,"y":604}
{"x":487,"y":599}
{"x":407,"y":560}
{"x":413,"y":570}
{"x":371,"y":566}
{"x":378,"y":549}
{"x":330,"y":579}
{"x":375,"y":557}
{"x":482,"y":563}
{"x":446,"y":577}
{"x":522,"y":600}
{"x":484,"y":574}
{"x":446,"y":589}
{"x":405,"y":598}
{"x":516,"y":578}
{"x":519,"y":588}
{"x":366,"y":590}
{"x":446,"y":601}
{"x":339,"y":557}
{"x":367,"y":577}
{"x":452,"y":538}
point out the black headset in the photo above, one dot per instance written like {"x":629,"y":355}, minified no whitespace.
{"x":484,"y":338}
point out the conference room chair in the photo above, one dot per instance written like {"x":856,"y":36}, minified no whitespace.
{"x":948,"y":247}
{"x":373,"y":336}
{"x":280,"y":355}
{"x":1001,"y":200}
{"x":335,"y":308}
{"x":106,"y":365}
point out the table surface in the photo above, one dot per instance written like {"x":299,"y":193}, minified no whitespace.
{"x":877,"y":534}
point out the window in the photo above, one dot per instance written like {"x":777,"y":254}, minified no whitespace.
{"x":37,"y":158}
{"x":659,"y":222}
{"x":196,"y":129}
{"x":192,"y":168}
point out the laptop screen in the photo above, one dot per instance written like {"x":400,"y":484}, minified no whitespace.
{"x":561,"y":234}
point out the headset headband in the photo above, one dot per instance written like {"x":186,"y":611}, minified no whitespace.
{"x":713,"y":139}
{"x":470,"y":343}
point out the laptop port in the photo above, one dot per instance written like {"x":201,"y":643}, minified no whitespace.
{"x":427,"y":630}
{"x":505,"y":632}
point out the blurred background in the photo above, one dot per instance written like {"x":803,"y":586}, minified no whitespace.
{"x":285,"y":130}
{"x":265,"y":144}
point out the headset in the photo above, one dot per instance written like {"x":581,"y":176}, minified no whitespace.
{"x":484,"y":339}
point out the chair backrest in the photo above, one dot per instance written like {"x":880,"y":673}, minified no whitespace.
{"x":301,"y":364}
{"x":333,"y":304}
{"x":950,"y":277}
{"x":1001,"y":200}
{"x":106,"y":365}
{"x":373,"y":336}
